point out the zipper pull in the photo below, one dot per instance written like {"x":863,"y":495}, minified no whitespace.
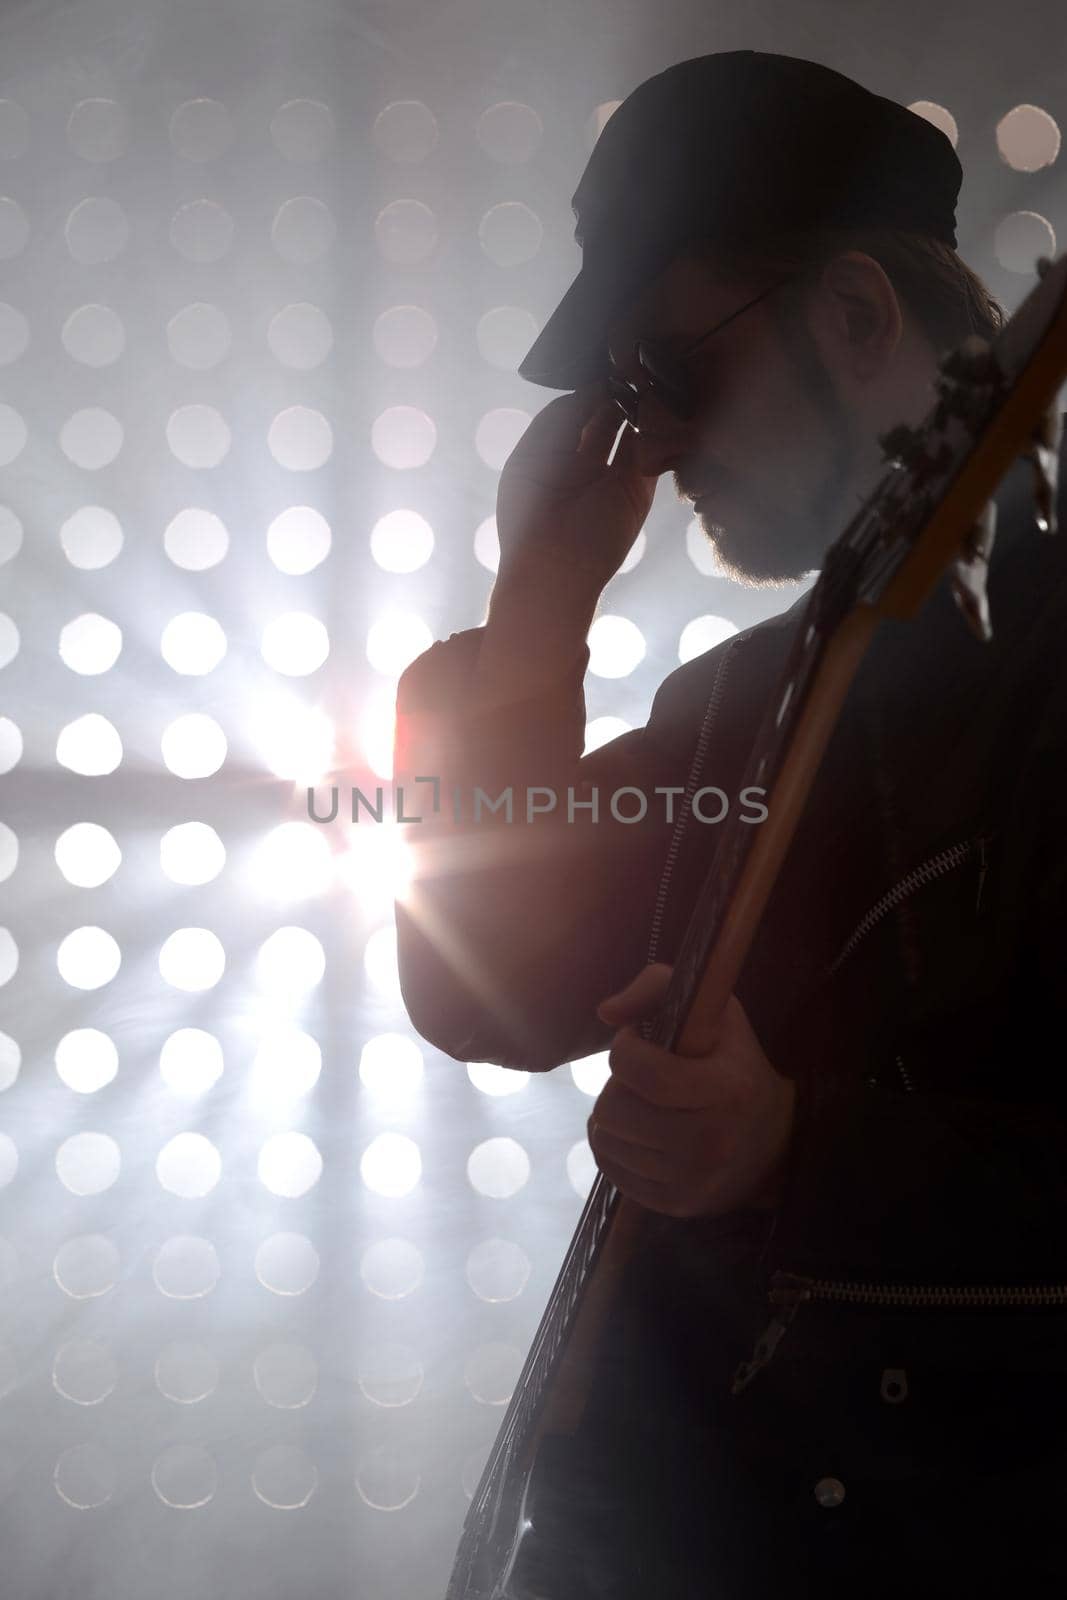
{"x":981,"y":873}
{"x":785,"y":1294}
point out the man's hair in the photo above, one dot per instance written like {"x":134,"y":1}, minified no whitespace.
{"x":946,"y":298}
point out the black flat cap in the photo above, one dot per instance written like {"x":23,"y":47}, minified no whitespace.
{"x":734,"y":146}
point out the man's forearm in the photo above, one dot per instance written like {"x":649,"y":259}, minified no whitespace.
{"x":540,"y":612}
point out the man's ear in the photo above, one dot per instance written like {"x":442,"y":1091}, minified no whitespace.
{"x":860,"y":310}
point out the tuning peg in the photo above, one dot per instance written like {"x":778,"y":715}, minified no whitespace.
{"x":970,"y":570}
{"x":1044,"y":457}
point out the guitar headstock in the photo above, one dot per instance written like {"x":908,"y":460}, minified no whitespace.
{"x":933,"y":510}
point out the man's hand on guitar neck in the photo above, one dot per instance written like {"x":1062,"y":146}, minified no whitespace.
{"x":690,"y":1136}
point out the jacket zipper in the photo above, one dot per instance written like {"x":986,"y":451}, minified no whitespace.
{"x":933,"y":867}
{"x":695,"y":768}
{"x":788,"y":1290}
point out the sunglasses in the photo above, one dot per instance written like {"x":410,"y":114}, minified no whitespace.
{"x":664,"y":371}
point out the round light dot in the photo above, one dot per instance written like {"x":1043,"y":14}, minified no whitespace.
{"x":498,"y":1168}
{"x":186,"y":1268}
{"x":289,"y":1165}
{"x":14,"y":333}
{"x":1021,"y":238}
{"x":387,"y":1480}
{"x":186,"y":1373}
{"x":491,"y":1371}
{"x":406,"y":130}
{"x":290,"y":962}
{"x":300,"y":336}
{"x":405,"y":232}
{"x":487,"y":544}
{"x":303,"y":229}
{"x":14,"y":130}
{"x":1028,"y":139}
{"x":298,"y":540}
{"x":192,"y":959}
{"x":498,"y":432}
{"x":392,"y":1269}
{"x":87,"y":854}
{"x":376,"y":727}
{"x":88,"y":1163}
{"x":295,"y":644}
{"x":494,"y":1080}
{"x":91,"y":438}
{"x":300,"y":438}
{"x":199,"y":336}
{"x":14,"y":228}
{"x":616,"y":647}
{"x":405,"y":336}
{"x":602,"y":730}
{"x":9,"y":639}
{"x":510,"y":132}
{"x":10,"y":535}
{"x":85,"y":1477}
{"x":286,"y":1376}
{"x":377,"y":865}
{"x":90,"y":644}
{"x":394,"y":640}
{"x":510,"y":233}
{"x":198,"y":435}
{"x":13,"y":435}
{"x":87,"y":1266}
{"x":94,"y":335}
{"x":191,"y":1062}
{"x":938,"y":116}
{"x":504,"y":335}
{"x":88,"y":958}
{"x":91,"y":537}
{"x":591,"y":1072}
{"x":196,"y":539}
{"x":185,"y":1477}
{"x":98,"y":130}
{"x":89,"y":745}
{"x":302,"y":130}
{"x":391,"y":1165}
{"x":193,"y":746}
{"x":97,"y":230}
{"x":193,"y":643}
{"x":702,"y":634}
{"x":10,"y":1061}
{"x":581,"y":1168}
{"x":403,"y":437}
{"x":189,"y":1166}
{"x":85,"y":1372}
{"x":9,"y":955}
{"x":86,"y":1060}
{"x":201,"y":231}
{"x":401,"y":541}
{"x":287,"y":1263}
{"x":284,"y":1477}
{"x":390,"y":1375}
{"x":294,"y":740}
{"x":9,"y":851}
{"x":191,"y":853}
{"x":390,"y":1065}
{"x":200,"y":130}
{"x":498,"y":1270}
{"x":379,"y":962}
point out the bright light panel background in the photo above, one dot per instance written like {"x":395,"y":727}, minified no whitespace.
{"x":270,"y":1263}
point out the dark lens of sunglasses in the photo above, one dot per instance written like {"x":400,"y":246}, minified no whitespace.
{"x":666,"y":379}
{"x":625,"y":397}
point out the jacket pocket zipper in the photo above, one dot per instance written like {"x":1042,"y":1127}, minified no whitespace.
{"x":934,"y":867}
{"x":788,"y":1290}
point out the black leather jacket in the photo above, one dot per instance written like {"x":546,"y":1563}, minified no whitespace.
{"x":911,"y":968}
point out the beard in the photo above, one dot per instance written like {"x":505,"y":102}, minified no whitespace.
{"x":764,"y":545}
